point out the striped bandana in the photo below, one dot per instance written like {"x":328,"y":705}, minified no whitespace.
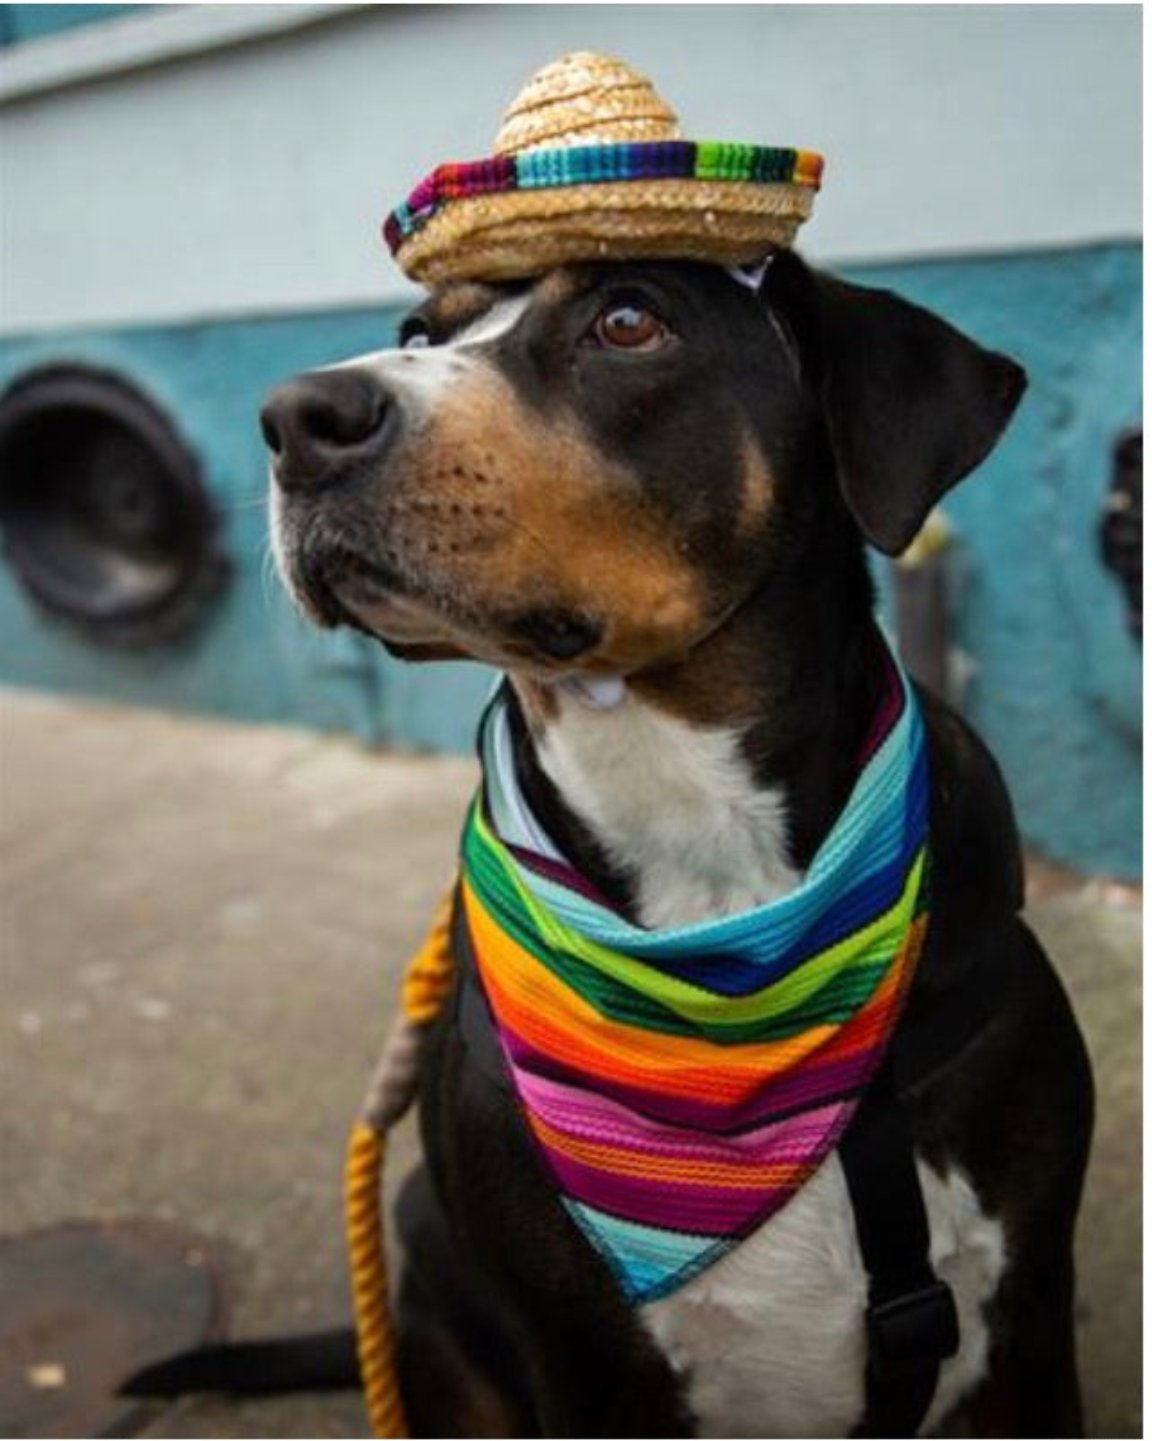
{"x":683,"y":1084}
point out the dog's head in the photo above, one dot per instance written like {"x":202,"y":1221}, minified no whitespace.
{"x":590,"y":472}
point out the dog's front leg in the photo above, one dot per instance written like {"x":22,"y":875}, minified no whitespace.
{"x":588,"y":1384}
{"x":501,"y":1266}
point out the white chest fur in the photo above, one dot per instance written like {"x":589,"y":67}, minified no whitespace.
{"x":770,"y":1340}
{"x":674,"y":807}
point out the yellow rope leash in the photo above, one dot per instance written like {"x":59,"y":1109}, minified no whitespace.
{"x":425,"y":987}
{"x":376,"y":1341}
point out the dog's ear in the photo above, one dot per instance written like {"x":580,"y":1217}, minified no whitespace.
{"x":911,"y":405}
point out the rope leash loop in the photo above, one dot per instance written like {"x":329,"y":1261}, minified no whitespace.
{"x":426,"y":984}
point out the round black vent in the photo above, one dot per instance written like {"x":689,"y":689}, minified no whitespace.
{"x":1122,"y":526}
{"x":104,"y":515}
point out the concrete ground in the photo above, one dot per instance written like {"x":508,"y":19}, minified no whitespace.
{"x":204,"y":925}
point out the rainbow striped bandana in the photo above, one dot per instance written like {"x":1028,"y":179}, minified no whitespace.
{"x":682,"y":1084}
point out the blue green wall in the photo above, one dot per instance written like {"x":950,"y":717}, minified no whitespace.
{"x":30,"y":22}
{"x":254,"y":657}
{"x":1056,"y":677}
{"x":1056,"y":684}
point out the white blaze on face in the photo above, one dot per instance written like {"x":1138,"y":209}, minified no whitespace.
{"x":276,"y":538}
{"x":420,"y":376}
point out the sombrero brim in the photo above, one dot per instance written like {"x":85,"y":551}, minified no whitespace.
{"x":514,"y":216}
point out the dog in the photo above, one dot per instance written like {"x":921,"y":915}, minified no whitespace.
{"x":644,"y":492}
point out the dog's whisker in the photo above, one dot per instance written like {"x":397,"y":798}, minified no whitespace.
{"x":270,"y":587}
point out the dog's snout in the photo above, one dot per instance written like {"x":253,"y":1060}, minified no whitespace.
{"x":319,"y":424}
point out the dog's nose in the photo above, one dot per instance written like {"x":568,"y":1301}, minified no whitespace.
{"x":320,"y":424}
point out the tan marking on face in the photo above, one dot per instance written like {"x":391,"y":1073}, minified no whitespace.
{"x":499,"y":511}
{"x":757,"y":490}
{"x":714,"y":685}
{"x":458,"y":305}
{"x":557,"y":287}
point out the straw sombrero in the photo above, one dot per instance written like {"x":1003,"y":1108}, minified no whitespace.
{"x":590,"y":165}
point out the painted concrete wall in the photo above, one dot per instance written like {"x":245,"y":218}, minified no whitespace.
{"x":254,"y":178}
{"x":192,"y":199}
{"x":1056,"y":684}
{"x":30,"y":22}
{"x":1056,"y":680}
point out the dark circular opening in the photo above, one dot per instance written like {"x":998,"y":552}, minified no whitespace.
{"x":104,"y":515}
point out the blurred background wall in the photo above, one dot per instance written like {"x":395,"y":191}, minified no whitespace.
{"x":191,"y":206}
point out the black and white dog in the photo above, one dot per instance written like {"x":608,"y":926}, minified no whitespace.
{"x":644,"y":491}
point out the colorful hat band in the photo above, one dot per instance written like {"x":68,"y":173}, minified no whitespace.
{"x":600,"y":164}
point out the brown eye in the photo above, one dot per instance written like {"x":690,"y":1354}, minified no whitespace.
{"x":630,"y":327}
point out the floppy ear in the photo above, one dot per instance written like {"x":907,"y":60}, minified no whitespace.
{"x":911,"y":405}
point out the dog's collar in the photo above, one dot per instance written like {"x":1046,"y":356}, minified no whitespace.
{"x":682,"y":1084}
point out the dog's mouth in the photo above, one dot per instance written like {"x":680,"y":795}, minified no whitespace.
{"x":375,"y":597}
{"x":342,"y":586}
{"x":339,"y":585}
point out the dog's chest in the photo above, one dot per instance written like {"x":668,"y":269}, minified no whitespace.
{"x":770,"y":1340}
{"x":674,"y":807}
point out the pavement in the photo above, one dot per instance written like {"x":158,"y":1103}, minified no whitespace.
{"x":204,"y":925}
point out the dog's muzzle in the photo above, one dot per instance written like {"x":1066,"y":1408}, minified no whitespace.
{"x":358,"y":547}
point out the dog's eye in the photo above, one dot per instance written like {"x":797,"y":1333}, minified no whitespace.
{"x":415,"y":335}
{"x":629,"y":326}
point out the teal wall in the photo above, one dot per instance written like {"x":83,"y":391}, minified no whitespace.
{"x":254,"y":658}
{"x":1055,"y":685}
{"x":30,"y":22}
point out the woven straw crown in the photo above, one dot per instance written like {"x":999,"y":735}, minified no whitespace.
{"x":589,"y":164}
{"x":583,"y":98}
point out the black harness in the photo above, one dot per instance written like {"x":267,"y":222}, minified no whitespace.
{"x":912,"y":1324}
{"x":911,"y":1318}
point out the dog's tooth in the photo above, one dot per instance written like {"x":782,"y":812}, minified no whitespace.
{"x":601,"y":692}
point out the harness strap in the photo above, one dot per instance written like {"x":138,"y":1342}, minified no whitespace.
{"x":911,"y":1318}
